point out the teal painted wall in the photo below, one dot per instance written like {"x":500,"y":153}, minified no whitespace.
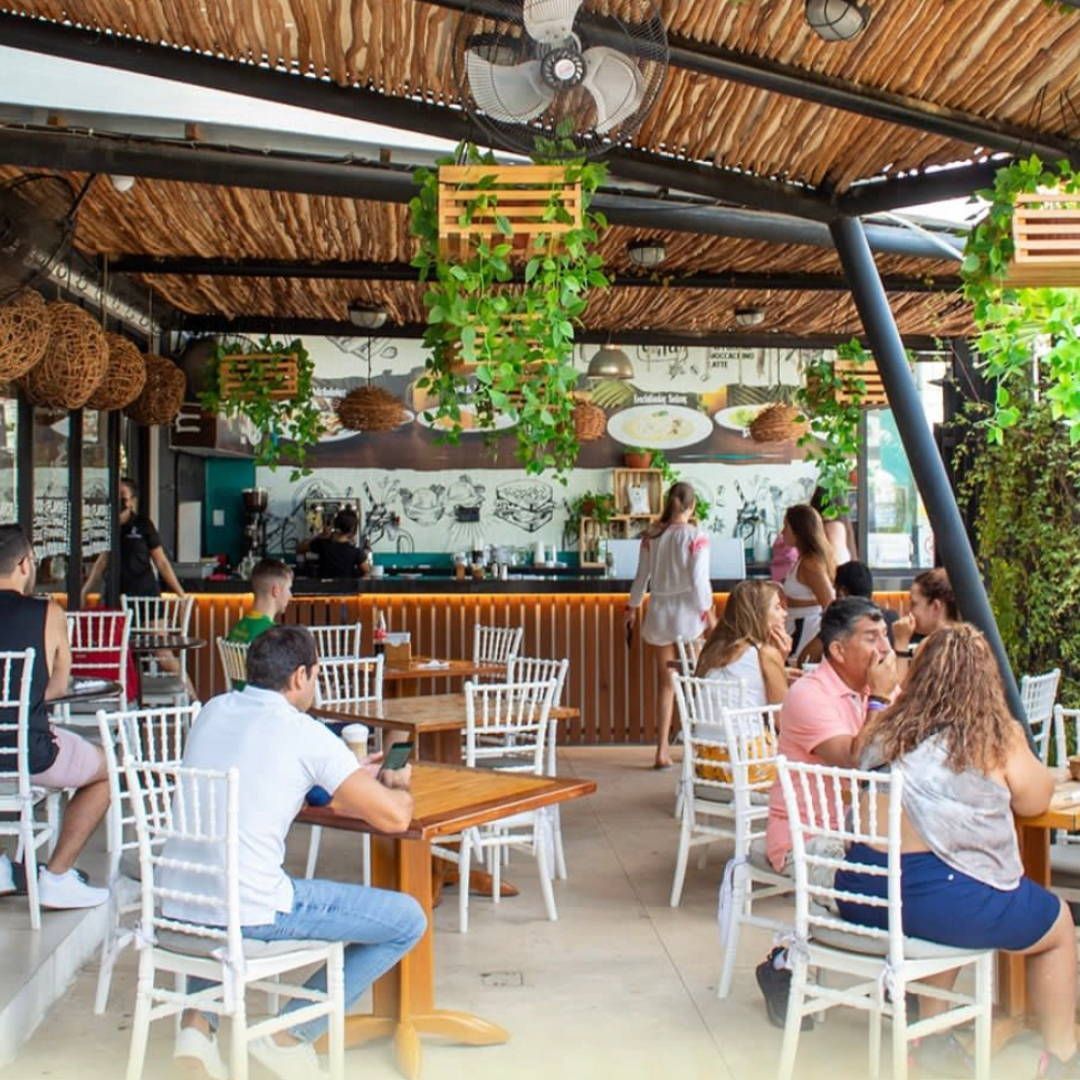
{"x":225,"y":478}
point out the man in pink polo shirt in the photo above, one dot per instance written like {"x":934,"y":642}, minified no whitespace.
{"x":821,"y":715}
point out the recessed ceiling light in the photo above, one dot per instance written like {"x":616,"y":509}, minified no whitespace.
{"x":749,"y":316}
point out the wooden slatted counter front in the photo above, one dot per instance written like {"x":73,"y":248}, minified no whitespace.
{"x":613,"y":686}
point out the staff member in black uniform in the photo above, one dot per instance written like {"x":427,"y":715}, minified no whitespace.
{"x":59,"y":759}
{"x":338,"y":555}
{"x":140,"y":553}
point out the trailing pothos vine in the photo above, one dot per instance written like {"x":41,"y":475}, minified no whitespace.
{"x":284,"y":426}
{"x":1029,"y":338}
{"x":517,"y":338}
{"x":1022,"y":493}
{"x":832,"y":441}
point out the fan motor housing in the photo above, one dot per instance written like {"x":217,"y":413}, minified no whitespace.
{"x":563,"y":67}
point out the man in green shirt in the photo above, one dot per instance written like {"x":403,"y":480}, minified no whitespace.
{"x":271,"y":582}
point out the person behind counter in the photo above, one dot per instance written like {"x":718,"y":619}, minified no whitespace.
{"x":336,"y":549}
{"x":673,"y":565}
{"x":141,"y":553}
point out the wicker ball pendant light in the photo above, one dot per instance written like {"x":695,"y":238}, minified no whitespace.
{"x":74,"y":362}
{"x":125,"y":376}
{"x":161,"y":396}
{"x":24,"y":333}
{"x":778,"y":423}
{"x":590,"y":422}
{"x":370,"y":408}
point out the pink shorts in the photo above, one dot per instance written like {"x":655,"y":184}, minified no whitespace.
{"x":77,"y":763}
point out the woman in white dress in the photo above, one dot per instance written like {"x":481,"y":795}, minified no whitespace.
{"x":673,"y":566}
{"x":808,"y":588}
{"x":750,"y":644}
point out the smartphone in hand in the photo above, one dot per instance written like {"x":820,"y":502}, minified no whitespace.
{"x":397,"y":757}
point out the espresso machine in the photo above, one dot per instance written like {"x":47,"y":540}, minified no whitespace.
{"x":255,"y":503}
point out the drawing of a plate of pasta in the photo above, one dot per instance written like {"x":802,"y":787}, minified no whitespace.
{"x":659,"y":427}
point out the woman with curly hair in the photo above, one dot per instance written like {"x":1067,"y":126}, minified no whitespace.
{"x":750,"y":643}
{"x":967,"y":771}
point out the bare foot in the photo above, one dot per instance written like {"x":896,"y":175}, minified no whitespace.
{"x":662,"y":762}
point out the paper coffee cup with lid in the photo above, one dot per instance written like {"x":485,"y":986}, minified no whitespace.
{"x":356,"y":739}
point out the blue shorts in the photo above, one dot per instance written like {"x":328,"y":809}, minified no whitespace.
{"x":943,"y":905}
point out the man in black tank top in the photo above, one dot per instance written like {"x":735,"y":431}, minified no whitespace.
{"x":58,"y":758}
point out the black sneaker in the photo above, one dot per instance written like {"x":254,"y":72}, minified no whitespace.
{"x":1051,"y":1067}
{"x":943,"y":1056}
{"x":775,"y":986}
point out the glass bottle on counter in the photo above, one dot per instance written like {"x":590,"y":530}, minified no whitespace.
{"x":380,"y":632}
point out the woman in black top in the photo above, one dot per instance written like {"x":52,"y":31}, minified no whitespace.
{"x":337,"y":551}
{"x":141,"y":552}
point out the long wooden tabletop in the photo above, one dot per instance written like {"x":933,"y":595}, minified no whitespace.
{"x":432,"y":712}
{"x":449,"y":798}
{"x":419,"y":667}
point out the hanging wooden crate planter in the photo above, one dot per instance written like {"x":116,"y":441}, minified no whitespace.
{"x":519,"y":194}
{"x":1046,"y":241}
{"x":874,"y":396}
{"x":279,"y":371}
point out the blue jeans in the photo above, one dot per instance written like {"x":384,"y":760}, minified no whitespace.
{"x":379,"y":925}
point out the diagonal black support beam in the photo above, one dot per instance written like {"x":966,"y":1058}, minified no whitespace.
{"x":791,"y":81}
{"x":876,"y":195}
{"x":197,"y":265}
{"x":361,"y":103}
{"x":931,"y":478}
{"x":62,"y":150}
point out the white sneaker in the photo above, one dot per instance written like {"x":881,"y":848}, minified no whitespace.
{"x":68,"y":890}
{"x":7,"y":875}
{"x":194,"y":1048}
{"x":299,"y":1062}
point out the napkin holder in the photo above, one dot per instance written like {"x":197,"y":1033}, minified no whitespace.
{"x":398,"y":649}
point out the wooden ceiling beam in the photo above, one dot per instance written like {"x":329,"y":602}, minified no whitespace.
{"x":194,"y":265}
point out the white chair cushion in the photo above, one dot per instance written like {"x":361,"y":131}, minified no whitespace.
{"x":191,"y":945}
{"x":1065,"y":862}
{"x":727,"y":795}
{"x":914,"y":948}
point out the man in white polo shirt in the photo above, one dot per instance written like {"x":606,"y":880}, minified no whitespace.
{"x":281,"y":753}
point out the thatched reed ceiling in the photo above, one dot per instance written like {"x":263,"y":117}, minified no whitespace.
{"x":164,"y":218}
{"x":1012,"y":61}
{"x":620,"y":309}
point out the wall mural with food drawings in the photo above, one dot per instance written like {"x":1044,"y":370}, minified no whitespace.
{"x":416,"y":493}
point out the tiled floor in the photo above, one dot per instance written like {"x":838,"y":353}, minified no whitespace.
{"x":621,"y":986}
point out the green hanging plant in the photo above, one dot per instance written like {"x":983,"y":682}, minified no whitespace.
{"x":496,"y":346}
{"x":1014,"y":322}
{"x":274,"y":390}
{"x":831,"y":402}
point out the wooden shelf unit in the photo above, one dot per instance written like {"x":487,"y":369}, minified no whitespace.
{"x":623,"y":525}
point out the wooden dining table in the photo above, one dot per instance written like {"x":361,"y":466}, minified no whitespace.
{"x":420,"y":668}
{"x":434,"y":722}
{"x":1034,"y":837}
{"x":448,"y":799}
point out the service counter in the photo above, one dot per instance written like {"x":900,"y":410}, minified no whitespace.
{"x":613,"y":684}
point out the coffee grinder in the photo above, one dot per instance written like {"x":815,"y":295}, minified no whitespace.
{"x":255,"y":503}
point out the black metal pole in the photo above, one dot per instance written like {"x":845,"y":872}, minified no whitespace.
{"x":111,"y":585}
{"x":950,"y":537}
{"x":75,"y":509}
{"x":24,"y":459}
